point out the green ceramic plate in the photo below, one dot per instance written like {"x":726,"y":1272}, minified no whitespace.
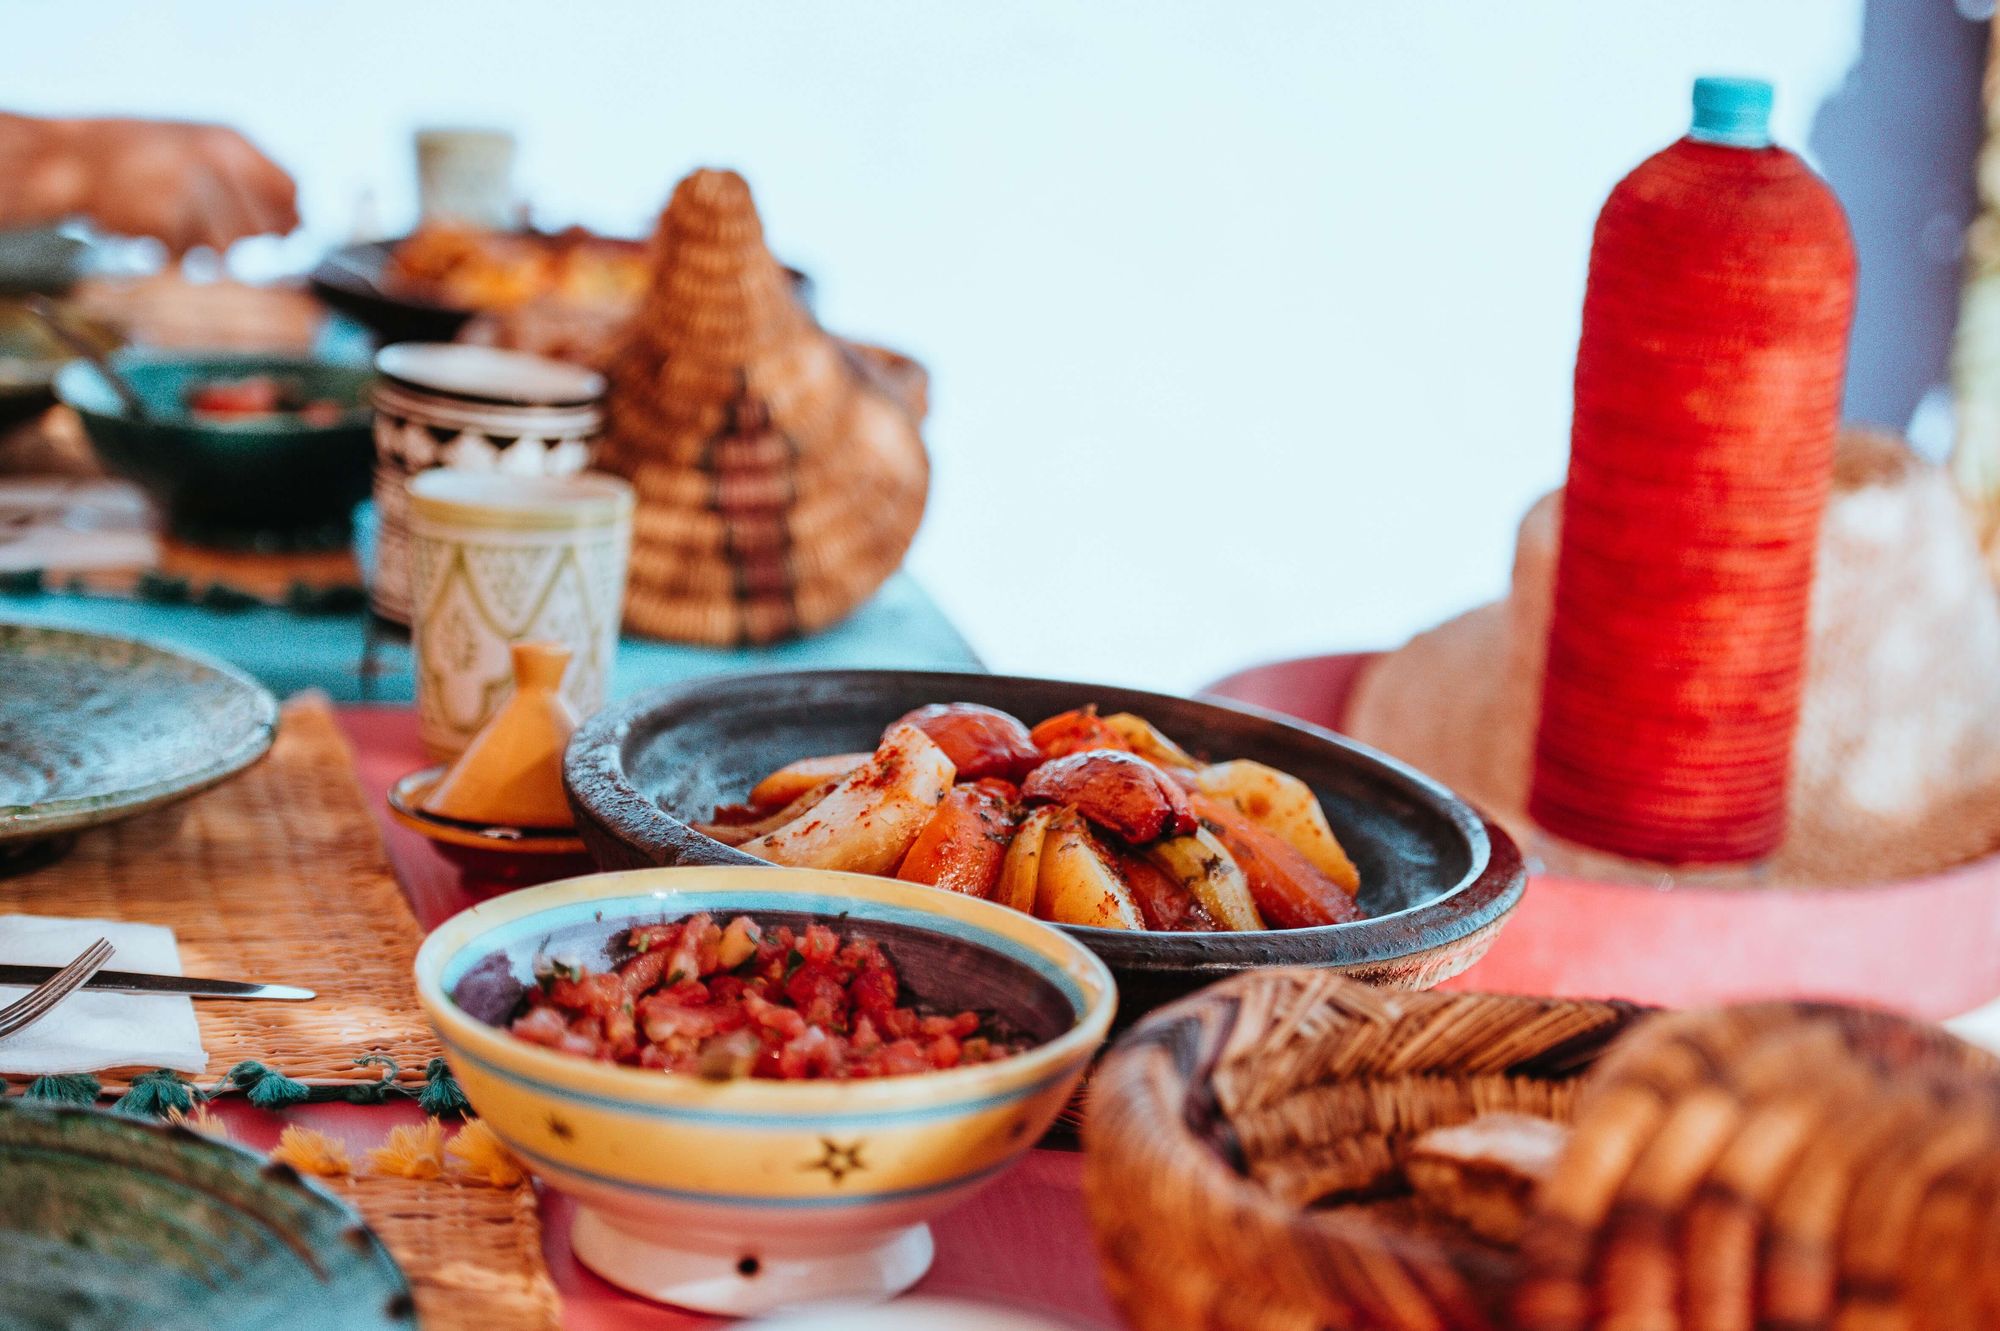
{"x":96,"y":728}
{"x":111,"y":1222}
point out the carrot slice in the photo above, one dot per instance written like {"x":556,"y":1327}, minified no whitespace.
{"x":963,"y":845}
{"x":1290,"y":891}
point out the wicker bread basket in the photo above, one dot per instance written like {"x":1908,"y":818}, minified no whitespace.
{"x":779,"y":470}
{"x":1783,"y":1165}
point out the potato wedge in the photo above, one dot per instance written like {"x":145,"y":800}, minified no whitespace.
{"x":1208,"y":870}
{"x":735,"y":834}
{"x":1282,"y":804}
{"x":867,"y":822}
{"x":1077,"y":884}
{"x":1142,"y":738}
{"x":1020,"y":872}
{"x":795,"y":779}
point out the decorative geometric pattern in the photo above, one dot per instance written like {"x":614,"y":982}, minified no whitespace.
{"x":837,"y":1161}
{"x":406,"y":446}
{"x":477,"y":593}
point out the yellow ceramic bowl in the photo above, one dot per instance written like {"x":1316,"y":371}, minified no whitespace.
{"x":743,"y":1196}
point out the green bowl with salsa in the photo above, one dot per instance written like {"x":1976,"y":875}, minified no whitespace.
{"x":241,"y":450}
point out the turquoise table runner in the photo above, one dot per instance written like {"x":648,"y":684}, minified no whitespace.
{"x":900,"y":627}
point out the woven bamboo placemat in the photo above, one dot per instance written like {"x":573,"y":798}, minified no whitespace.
{"x":473,"y":1255}
{"x":278,"y":875}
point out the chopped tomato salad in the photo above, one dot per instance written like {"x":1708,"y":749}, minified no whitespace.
{"x":738,"y":1001}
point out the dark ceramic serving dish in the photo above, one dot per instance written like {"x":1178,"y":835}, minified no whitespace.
{"x":355,"y":280}
{"x":108,"y":1221}
{"x":260,"y":481}
{"x":1437,"y":879}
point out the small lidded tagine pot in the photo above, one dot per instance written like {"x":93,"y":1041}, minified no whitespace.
{"x":499,"y":811}
{"x":468,"y":408}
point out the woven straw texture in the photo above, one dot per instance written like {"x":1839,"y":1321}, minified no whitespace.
{"x":473,"y":1255}
{"x":780,"y":472}
{"x":277,"y":875}
{"x":1708,"y":384}
{"x":1219,"y":1118}
{"x":1772,"y":1166}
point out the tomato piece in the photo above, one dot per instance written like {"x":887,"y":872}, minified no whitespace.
{"x":980,"y":741}
{"x":701,"y":999}
{"x":1120,"y":792}
{"x":253,"y":395}
{"x":1163,"y":902}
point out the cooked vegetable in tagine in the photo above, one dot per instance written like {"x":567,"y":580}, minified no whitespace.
{"x":1085,"y":819}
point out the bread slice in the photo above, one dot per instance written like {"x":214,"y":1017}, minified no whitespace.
{"x":1484,"y":1173}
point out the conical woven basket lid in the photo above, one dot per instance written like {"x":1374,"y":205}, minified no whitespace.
{"x":780,"y":478}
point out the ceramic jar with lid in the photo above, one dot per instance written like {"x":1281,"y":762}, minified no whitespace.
{"x":476,"y":409}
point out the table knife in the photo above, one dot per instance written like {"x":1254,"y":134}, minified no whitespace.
{"x":137,"y":982}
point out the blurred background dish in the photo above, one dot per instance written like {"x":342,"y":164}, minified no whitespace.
{"x":96,"y":728}
{"x":110,"y":1220}
{"x":353,"y":279}
{"x":563,"y":294}
{"x":41,"y":259}
{"x":273,"y":478}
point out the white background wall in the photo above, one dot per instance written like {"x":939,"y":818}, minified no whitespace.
{"x":1251,"y":325}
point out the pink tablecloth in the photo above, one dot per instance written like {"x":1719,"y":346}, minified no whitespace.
{"x":1023,"y":1242}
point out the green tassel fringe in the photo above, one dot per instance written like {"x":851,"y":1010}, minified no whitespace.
{"x":153,"y":1094}
{"x":163,"y":588}
{"x":441,"y":1096}
{"x":265,"y":1087}
{"x":69,"y":1088}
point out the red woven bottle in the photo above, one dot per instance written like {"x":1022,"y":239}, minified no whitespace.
{"x":1707,"y":395}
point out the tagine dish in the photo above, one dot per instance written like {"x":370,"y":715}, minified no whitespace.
{"x":1085,"y":819}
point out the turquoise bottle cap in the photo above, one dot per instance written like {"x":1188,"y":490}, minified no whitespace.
{"x":1732,"y":111}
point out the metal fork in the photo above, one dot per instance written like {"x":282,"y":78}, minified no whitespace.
{"x":42,"y":999}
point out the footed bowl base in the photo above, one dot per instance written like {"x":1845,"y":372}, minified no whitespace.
{"x":745,"y":1277}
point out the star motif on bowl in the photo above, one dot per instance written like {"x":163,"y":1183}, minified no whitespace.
{"x":837,"y":1161}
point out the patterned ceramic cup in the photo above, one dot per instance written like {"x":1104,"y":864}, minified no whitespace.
{"x":502,"y":559}
{"x":474,"y":409}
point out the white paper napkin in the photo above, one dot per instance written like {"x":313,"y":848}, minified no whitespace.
{"x":89,"y":1031}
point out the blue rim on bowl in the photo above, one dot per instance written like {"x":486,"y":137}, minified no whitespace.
{"x":745,"y":1195}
